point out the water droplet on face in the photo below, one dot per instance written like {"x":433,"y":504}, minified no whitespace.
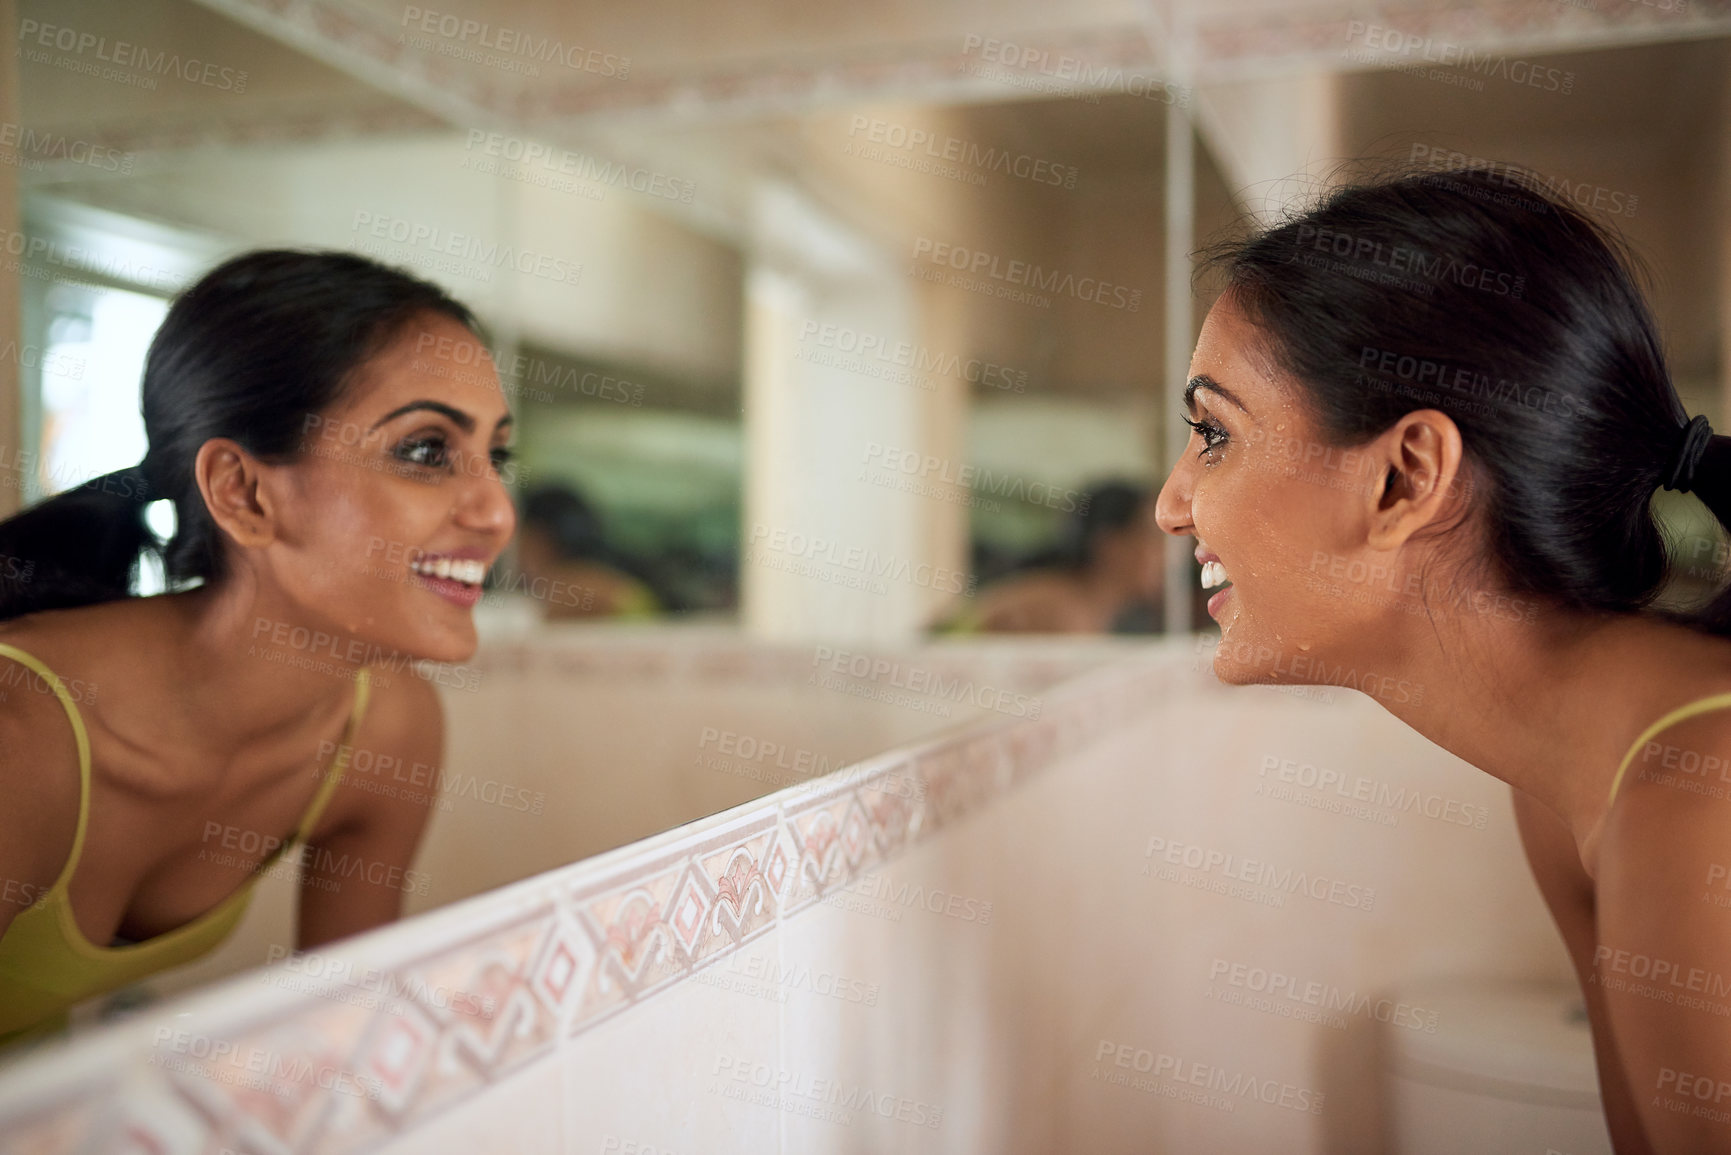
{"x":1304,"y":645}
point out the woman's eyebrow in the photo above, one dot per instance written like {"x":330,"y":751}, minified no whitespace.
{"x":1203,"y":381}
{"x":463,"y":420}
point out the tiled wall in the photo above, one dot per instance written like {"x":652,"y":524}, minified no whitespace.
{"x":581,"y":739}
{"x":946,"y":948}
{"x":401,"y":1036}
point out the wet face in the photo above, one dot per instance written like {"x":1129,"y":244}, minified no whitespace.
{"x":384,"y":527}
{"x":1271,"y":503}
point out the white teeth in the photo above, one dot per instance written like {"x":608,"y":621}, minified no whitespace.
{"x":468,"y":571}
{"x":1213,"y":574}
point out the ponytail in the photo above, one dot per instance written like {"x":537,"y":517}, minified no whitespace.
{"x":259,"y":346}
{"x":77,"y":548}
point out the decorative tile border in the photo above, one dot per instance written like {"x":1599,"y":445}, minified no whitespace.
{"x":348,"y":1063}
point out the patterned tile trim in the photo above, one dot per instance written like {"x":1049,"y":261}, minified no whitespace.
{"x":342,"y":1053}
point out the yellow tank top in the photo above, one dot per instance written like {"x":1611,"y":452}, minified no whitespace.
{"x":46,"y":963}
{"x":1688,"y":710}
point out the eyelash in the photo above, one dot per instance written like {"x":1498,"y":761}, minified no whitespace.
{"x":1213,"y":434}
{"x":501,"y":455}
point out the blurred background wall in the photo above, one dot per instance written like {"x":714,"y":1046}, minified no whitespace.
{"x":832,"y":314}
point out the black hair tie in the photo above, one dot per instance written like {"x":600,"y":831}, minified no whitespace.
{"x":1696,"y":435}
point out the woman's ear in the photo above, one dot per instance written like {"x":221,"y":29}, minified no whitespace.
{"x":1421,"y":460}
{"x":230,"y":480}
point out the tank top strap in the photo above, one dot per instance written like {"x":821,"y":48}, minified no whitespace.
{"x":81,"y":737}
{"x":1685,"y":711}
{"x":339,"y":764}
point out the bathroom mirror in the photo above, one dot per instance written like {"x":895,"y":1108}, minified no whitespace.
{"x":821,"y":325}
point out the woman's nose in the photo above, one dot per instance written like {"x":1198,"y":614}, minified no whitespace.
{"x":487,"y":506}
{"x":1172,"y":508}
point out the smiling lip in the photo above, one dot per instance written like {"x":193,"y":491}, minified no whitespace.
{"x":461,"y":593}
{"x":1218,"y":600}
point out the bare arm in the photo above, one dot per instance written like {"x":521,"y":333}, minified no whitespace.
{"x":357,"y":867}
{"x":1568,"y":891}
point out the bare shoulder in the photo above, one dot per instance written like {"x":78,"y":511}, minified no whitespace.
{"x":38,"y":778}
{"x":1671,"y":818}
{"x":393,"y":769}
{"x":1663,"y":913}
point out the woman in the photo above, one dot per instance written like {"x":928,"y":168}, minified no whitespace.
{"x":1428,"y":418}
{"x":337,"y":499}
